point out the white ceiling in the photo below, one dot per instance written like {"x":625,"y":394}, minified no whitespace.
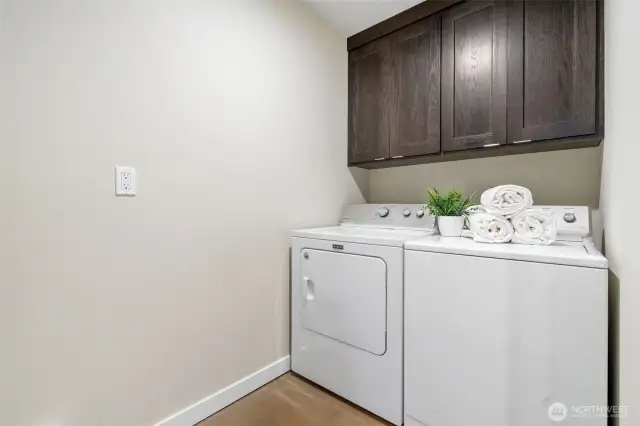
{"x":352,"y":16}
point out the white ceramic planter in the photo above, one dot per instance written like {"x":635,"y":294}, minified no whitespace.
{"x":450,"y":226}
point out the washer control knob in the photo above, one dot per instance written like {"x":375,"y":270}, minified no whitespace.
{"x":406,"y":213}
{"x":569,"y":217}
{"x":383,"y":212}
{"x":420,"y":213}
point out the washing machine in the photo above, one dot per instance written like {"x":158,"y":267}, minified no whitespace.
{"x":347,"y":304}
{"x":507,"y":334}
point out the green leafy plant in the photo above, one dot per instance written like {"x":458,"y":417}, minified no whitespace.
{"x":451,"y":204}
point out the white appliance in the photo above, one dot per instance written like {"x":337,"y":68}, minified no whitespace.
{"x":347,"y":304}
{"x":507,"y":334}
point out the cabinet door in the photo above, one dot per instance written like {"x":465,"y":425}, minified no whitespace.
{"x":415,"y":91}
{"x":552,"y":69}
{"x":369,"y":81}
{"x":474,"y":75}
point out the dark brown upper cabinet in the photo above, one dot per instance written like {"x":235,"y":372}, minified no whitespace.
{"x":552,"y":69}
{"x":415,"y":89}
{"x":474,"y":75}
{"x":369,"y":100}
{"x":454,"y":79}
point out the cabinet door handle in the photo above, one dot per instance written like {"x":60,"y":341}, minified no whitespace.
{"x":378,"y":159}
{"x":398,"y":156}
{"x":522,"y":141}
{"x":489,"y":145}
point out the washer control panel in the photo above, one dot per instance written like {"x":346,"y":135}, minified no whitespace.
{"x":572,"y":222}
{"x":388,"y":215}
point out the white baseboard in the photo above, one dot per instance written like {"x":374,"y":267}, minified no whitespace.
{"x":216,"y":402}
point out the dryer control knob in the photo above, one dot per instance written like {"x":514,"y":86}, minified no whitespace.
{"x":383,"y":212}
{"x":420,"y":213}
{"x":569,"y":217}
{"x":406,"y":213}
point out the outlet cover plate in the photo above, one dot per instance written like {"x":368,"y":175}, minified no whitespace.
{"x":126,"y":181}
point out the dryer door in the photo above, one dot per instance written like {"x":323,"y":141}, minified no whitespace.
{"x":344,"y":297}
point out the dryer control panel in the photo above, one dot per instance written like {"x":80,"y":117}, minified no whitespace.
{"x":394,"y":216}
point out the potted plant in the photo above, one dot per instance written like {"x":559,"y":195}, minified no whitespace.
{"x":450,"y":210}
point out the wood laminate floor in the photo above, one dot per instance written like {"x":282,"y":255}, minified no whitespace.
{"x":291,"y":401}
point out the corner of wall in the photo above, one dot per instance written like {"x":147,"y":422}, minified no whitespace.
{"x":2,"y":7}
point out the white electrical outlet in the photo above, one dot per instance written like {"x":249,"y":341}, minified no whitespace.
{"x":125,"y":181}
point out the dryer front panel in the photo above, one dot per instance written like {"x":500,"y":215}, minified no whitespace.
{"x":344,"y":297}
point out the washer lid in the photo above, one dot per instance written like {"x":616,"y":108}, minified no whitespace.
{"x":560,"y":253}
{"x":363,"y":235}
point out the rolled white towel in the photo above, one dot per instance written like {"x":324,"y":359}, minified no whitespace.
{"x":471,"y":210}
{"x":506,"y":200}
{"x":490,"y":228}
{"x":534,"y":226}
{"x":476,"y":208}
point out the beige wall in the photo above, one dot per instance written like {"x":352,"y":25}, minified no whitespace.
{"x":123,"y":311}
{"x":562,"y":177}
{"x":619,"y":197}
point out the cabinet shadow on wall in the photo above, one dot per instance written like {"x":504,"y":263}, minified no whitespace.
{"x":361,"y":178}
